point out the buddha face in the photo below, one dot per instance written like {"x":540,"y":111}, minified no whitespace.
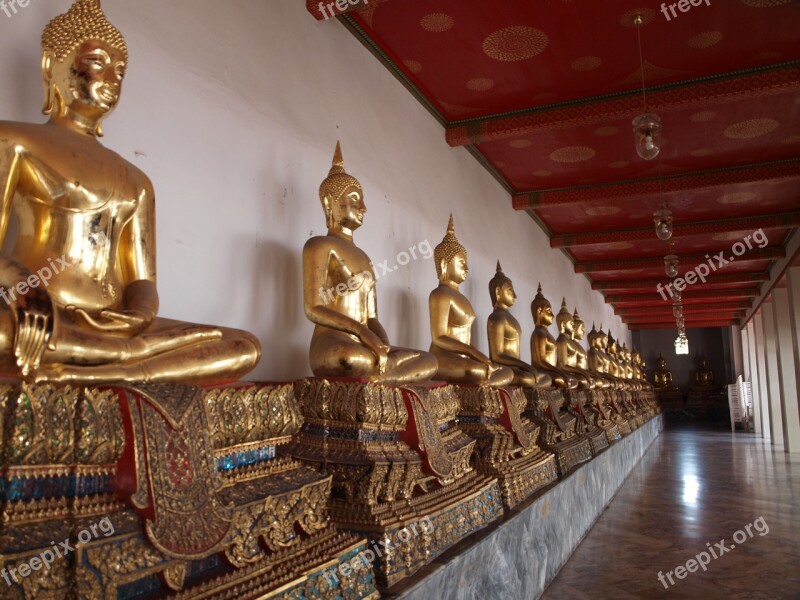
{"x":89,"y":81}
{"x":348,"y":211}
{"x":580,"y":329}
{"x":544,"y":315}
{"x":506,"y":294}
{"x":457,"y":269}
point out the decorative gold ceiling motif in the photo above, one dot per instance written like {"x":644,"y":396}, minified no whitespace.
{"x":703,"y":116}
{"x":586,"y":63}
{"x":705,"y":39}
{"x":737,"y":198}
{"x":572,"y":154}
{"x":752,"y":128}
{"x":437,"y":22}
{"x":480,"y":84}
{"x":516,"y":43}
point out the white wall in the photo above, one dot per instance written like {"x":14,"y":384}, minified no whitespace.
{"x":233,"y":110}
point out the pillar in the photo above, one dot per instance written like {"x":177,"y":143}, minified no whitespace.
{"x":770,"y":351}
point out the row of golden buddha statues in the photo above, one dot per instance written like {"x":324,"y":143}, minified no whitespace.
{"x":242,"y":490}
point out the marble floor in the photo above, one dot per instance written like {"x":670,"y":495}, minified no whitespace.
{"x":694,"y":487}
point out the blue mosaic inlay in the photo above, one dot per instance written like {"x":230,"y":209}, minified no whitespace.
{"x":351,"y":433}
{"x":245,"y":458}
{"x":23,"y":489}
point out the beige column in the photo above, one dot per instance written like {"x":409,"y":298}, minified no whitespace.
{"x":770,"y":351}
{"x":761,"y":374}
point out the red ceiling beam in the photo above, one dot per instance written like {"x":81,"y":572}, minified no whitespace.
{"x":637,"y":284}
{"x":657,"y":300}
{"x":638,"y":326}
{"x":688,"y":318}
{"x":687,"y":309}
{"x":639,"y":188}
{"x":685,"y":260}
{"x":331,"y":8}
{"x":592,"y":111}
{"x":743,"y":224}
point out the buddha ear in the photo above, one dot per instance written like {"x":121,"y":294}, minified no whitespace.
{"x":327,"y":209}
{"x":49,"y":85}
{"x":443,"y":268}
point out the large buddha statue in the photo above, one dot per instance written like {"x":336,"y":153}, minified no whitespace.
{"x":80,"y":280}
{"x":663,"y":376}
{"x":543,"y":345}
{"x":504,"y":334}
{"x":566,"y":351}
{"x":349,"y":340}
{"x":452,"y":316}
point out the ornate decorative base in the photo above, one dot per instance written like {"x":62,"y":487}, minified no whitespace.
{"x":168,"y":489}
{"x":397,"y":459}
{"x":598,"y":440}
{"x":562,"y":432}
{"x":571,"y":453}
{"x":612,"y":432}
{"x":506,"y":442}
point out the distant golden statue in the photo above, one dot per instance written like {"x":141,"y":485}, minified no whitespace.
{"x":80,"y":282}
{"x":704,"y":376}
{"x":505,"y":333}
{"x":340,"y":297}
{"x":452,"y":316}
{"x":543,"y":346}
{"x":663,"y":376}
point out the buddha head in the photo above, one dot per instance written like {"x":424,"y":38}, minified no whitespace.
{"x":450,"y":257}
{"x":501,"y":290}
{"x":342,"y":197}
{"x":594,"y":338}
{"x":578,"y":326}
{"x":603,"y":339}
{"x":564,"y":319}
{"x":84,"y":58}
{"x":612,"y":345}
{"x":541,"y":309}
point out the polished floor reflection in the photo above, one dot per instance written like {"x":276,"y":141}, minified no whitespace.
{"x":692,"y":490}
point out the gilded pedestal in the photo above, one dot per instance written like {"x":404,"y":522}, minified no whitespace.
{"x":561,"y":431}
{"x":507,"y":442}
{"x":588,"y":419}
{"x":397,"y":460}
{"x":164,"y":489}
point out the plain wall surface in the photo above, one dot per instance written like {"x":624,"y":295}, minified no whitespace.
{"x":233,"y":110}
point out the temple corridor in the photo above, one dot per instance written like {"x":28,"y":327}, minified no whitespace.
{"x":693,"y":487}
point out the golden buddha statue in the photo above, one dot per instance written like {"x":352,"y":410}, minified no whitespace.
{"x":543,"y":345}
{"x":581,"y":355}
{"x":504,"y":334}
{"x":663,"y":376}
{"x":598,"y":360}
{"x":349,"y":340}
{"x":452,"y":316}
{"x":80,"y":281}
{"x":704,"y":376}
{"x":566,"y":351}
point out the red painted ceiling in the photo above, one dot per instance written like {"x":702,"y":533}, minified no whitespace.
{"x":543,"y":94}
